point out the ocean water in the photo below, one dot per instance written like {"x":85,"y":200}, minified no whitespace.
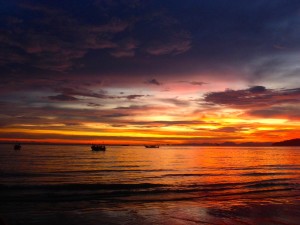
{"x":56,"y":184}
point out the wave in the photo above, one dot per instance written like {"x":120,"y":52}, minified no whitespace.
{"x":159,"y":195}
{"x":265,"y":174}
{"x":117,"y":186}
{"x":68,"y":172}
{"x":265,"y":167}
{"x":144,"y":192}
{"x":191,"y":175}
{"x":75,"y":186}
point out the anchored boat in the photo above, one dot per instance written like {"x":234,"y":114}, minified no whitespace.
{"x":151,"y":146}
{"x":98,"y":147}
{"x":17,"y":146}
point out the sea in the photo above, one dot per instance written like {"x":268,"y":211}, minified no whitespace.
{"x":134,"y":185}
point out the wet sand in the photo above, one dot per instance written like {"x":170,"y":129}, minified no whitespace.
{"x":162,"y":214}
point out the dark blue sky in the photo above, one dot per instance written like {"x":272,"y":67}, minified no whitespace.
{"x":146,"y":37}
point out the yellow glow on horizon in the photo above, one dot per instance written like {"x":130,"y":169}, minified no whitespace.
{"x":171,"y":125}
{"x":270,"y":121}
{"x":262,"y":121}
{"x":176,"y":129}
{"x":267,"y":128}
{"x":101,"y":134}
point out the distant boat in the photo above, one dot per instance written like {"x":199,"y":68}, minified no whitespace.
{"x":98,"y":147}
{"x":17,"y":146}
{"x":151,"y":146}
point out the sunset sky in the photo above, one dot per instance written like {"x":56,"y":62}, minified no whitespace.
{"x":159,"y":71}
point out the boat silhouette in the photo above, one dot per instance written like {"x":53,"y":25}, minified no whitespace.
{"x":98,"y":147}
{"x":151,"y":146}
{"x":17,"y":146}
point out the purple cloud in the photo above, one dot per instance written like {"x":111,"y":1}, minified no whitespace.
{"x":257,"y":96}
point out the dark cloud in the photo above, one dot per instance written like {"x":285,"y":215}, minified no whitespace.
{"x":199,"y":83}
{"x":131,"y":97}
{"x":227,"y":129}
{"x":289,"y":111}
{"x":63,"y":97}
{"x":116,"y":115}
{"x":132,"y":107}
{"x":153,"y":81}
{"x":257,"y":89}
{"x":254,"y":97}
{"x":82,"y":92}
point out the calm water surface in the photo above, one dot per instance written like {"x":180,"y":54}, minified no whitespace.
{"x":132,"y":185}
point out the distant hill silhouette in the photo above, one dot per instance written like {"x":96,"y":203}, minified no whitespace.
{"x":292,"y":142}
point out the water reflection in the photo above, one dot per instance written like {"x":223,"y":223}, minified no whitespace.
{"x":214,"y":185}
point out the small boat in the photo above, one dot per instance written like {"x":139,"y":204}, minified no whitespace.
{"x":17,"y":146}
{"x":151,"y":146}
{"x":98,"y":147}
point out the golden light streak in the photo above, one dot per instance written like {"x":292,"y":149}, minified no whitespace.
{"x":156,"y":122}
{"x":100,"y":133}
{"x":249,"y":121}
